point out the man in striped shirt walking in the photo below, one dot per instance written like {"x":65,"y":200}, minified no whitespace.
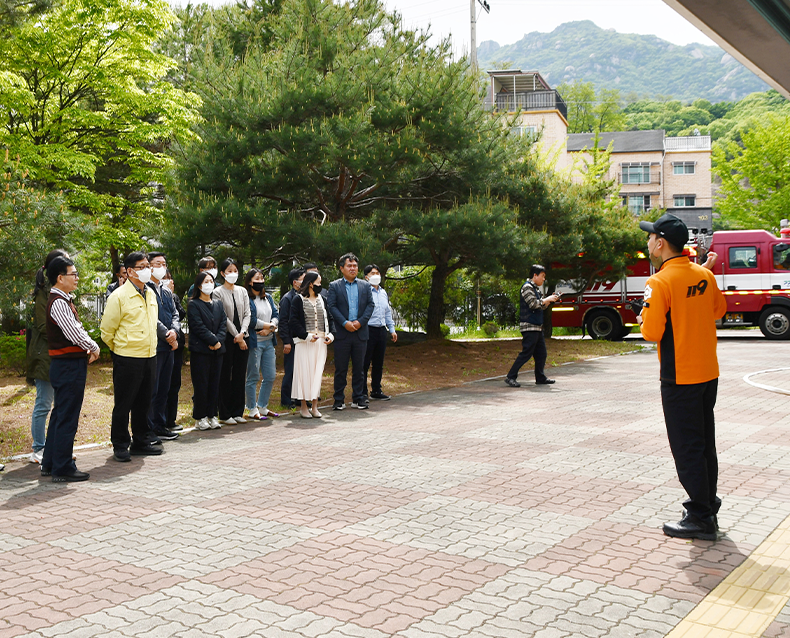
{"x":71,"y":350}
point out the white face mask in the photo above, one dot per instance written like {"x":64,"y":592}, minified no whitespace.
{"x":207,"y":289}
{"x":375,"y":279}
{"x":159,"y":273}
{"x":231,"y":277}
{"x":144,"y":275}
{"x":213,"y":273}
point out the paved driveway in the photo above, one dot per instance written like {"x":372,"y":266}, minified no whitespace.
{"x":475,"y":511}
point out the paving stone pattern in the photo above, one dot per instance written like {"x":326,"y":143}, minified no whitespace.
{"x":475,"y":511}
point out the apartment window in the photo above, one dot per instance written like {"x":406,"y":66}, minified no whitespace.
{"x":683,"y":168}
{"x":685,"y":201}
{"x":636,"y":173}
{"x":520,"y":131}
{"x":637,"y":204}
{"x":742,"y":257}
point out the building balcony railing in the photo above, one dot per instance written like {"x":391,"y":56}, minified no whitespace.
{"x":689,"y":143}
{"x":640,"y":177}
{"x":529,"y":101}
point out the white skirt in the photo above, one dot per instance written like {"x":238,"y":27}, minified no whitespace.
{"x":309,"y":361}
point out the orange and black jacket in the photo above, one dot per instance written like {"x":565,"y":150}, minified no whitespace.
{"x":682,"y":305}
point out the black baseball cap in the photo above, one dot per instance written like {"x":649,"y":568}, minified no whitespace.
{"x":668,"y":227}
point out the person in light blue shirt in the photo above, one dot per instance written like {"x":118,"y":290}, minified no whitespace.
{"x":379,"y":325}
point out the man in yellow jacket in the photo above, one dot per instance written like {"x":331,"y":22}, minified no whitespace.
{"x":128,"y":327}
{"x":682,"y":304}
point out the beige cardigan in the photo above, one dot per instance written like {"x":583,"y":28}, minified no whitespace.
{"x":242,"y":300}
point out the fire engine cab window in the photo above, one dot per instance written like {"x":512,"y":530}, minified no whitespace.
{"x":743,"y":257}
{"x":781,"y":257}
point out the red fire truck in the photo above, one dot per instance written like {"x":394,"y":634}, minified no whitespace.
{"x":753,"y":271}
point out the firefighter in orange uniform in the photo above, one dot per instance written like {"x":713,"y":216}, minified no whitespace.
{"x":682,"y":304}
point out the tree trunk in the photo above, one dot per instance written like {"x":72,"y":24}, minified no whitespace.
{"x":547,"y":316}
{"x":114,"y":259}
{"x":436,"y":302}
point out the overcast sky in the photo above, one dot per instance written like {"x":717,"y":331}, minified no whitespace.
{"x":509,"y":20}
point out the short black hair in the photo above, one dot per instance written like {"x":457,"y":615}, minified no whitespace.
{"x":370,"y":267}
{"x":309,"y":278}
{"x":58,"y":266}
{"x":248,"y":279}
{"x":58,"y":252}
{"x":227,"y":263}
{"x":201,"y":276}
{"x":294,"y":275}
{"x":41,"y":274}
{"x":672,"y":246}
{"x":205,"y":261}
{"x":309,"y":266}
{"x":117,"y":270}
{"x":536,"y":269}
{"x":155,"y":255}
{"x":130,"y":261}
{"x":347,"y":257}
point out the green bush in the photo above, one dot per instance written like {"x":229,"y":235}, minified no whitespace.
{"x":12,"y":354}
{"x":445,"y":330}
{"x":490,"y":328}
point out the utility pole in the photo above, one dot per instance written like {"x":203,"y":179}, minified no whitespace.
{"x":473,"y":10}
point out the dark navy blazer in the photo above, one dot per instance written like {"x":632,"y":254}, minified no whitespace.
{"x":337,"y":304}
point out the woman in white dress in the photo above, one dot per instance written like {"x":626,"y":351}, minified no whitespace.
{"x":309,"y":327}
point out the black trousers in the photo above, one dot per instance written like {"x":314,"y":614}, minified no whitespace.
{"x":133,"y":385}
{"x":350,"y":349}
{"x":533,"y":344}
{"x":374,"y":354}
{"x":232,"y":379}
{"x":288,"y":378}
{"x":68,"y":377}
{"x":688,"y":413}
{"x":157,"y":415}
{"x":175,"y":387}
{"x":205,"y":370}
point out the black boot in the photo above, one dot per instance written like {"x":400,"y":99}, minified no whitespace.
{"x":692,"y":527}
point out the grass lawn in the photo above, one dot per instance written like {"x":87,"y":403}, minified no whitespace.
{"x":422,"y":366}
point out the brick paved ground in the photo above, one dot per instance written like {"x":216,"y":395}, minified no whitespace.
{"x":476,"y":511}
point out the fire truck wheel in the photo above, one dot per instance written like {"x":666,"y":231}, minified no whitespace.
{"x":604,"y":324}
{"x":775,"y":323}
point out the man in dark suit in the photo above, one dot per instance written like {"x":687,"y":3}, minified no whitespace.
{"x":350,"y":303}
{"x":295,"y":280}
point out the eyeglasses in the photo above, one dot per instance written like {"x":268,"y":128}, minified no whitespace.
{"x":72,"y":274}
{"x":136,"y":268}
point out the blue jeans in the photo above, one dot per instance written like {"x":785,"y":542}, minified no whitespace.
{"x":38,"y":424}
{"x":260,"y":365}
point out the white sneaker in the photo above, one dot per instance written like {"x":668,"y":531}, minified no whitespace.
{"x":36,"y":457}
{"x":240,"y":419}
{"x":203,"y":424}
{"x":214,"y":423}
{"x":230,"y":421}
{"x":254,"y":414}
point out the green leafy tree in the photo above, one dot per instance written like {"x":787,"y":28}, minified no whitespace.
{"x":479,"y":234}
{"x":589,"y":112}
{"x":15,"y":12}
{"x":32,"y":222}
{"x":86,"y":110}
{"x":755,"y":177}
{"x":244,"y":24}
{"x":346,"y":113}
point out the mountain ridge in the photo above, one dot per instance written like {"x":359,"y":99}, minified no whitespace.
{"x":644,"y":65}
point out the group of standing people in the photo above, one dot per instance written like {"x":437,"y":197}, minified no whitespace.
{"x":233,"y":333}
